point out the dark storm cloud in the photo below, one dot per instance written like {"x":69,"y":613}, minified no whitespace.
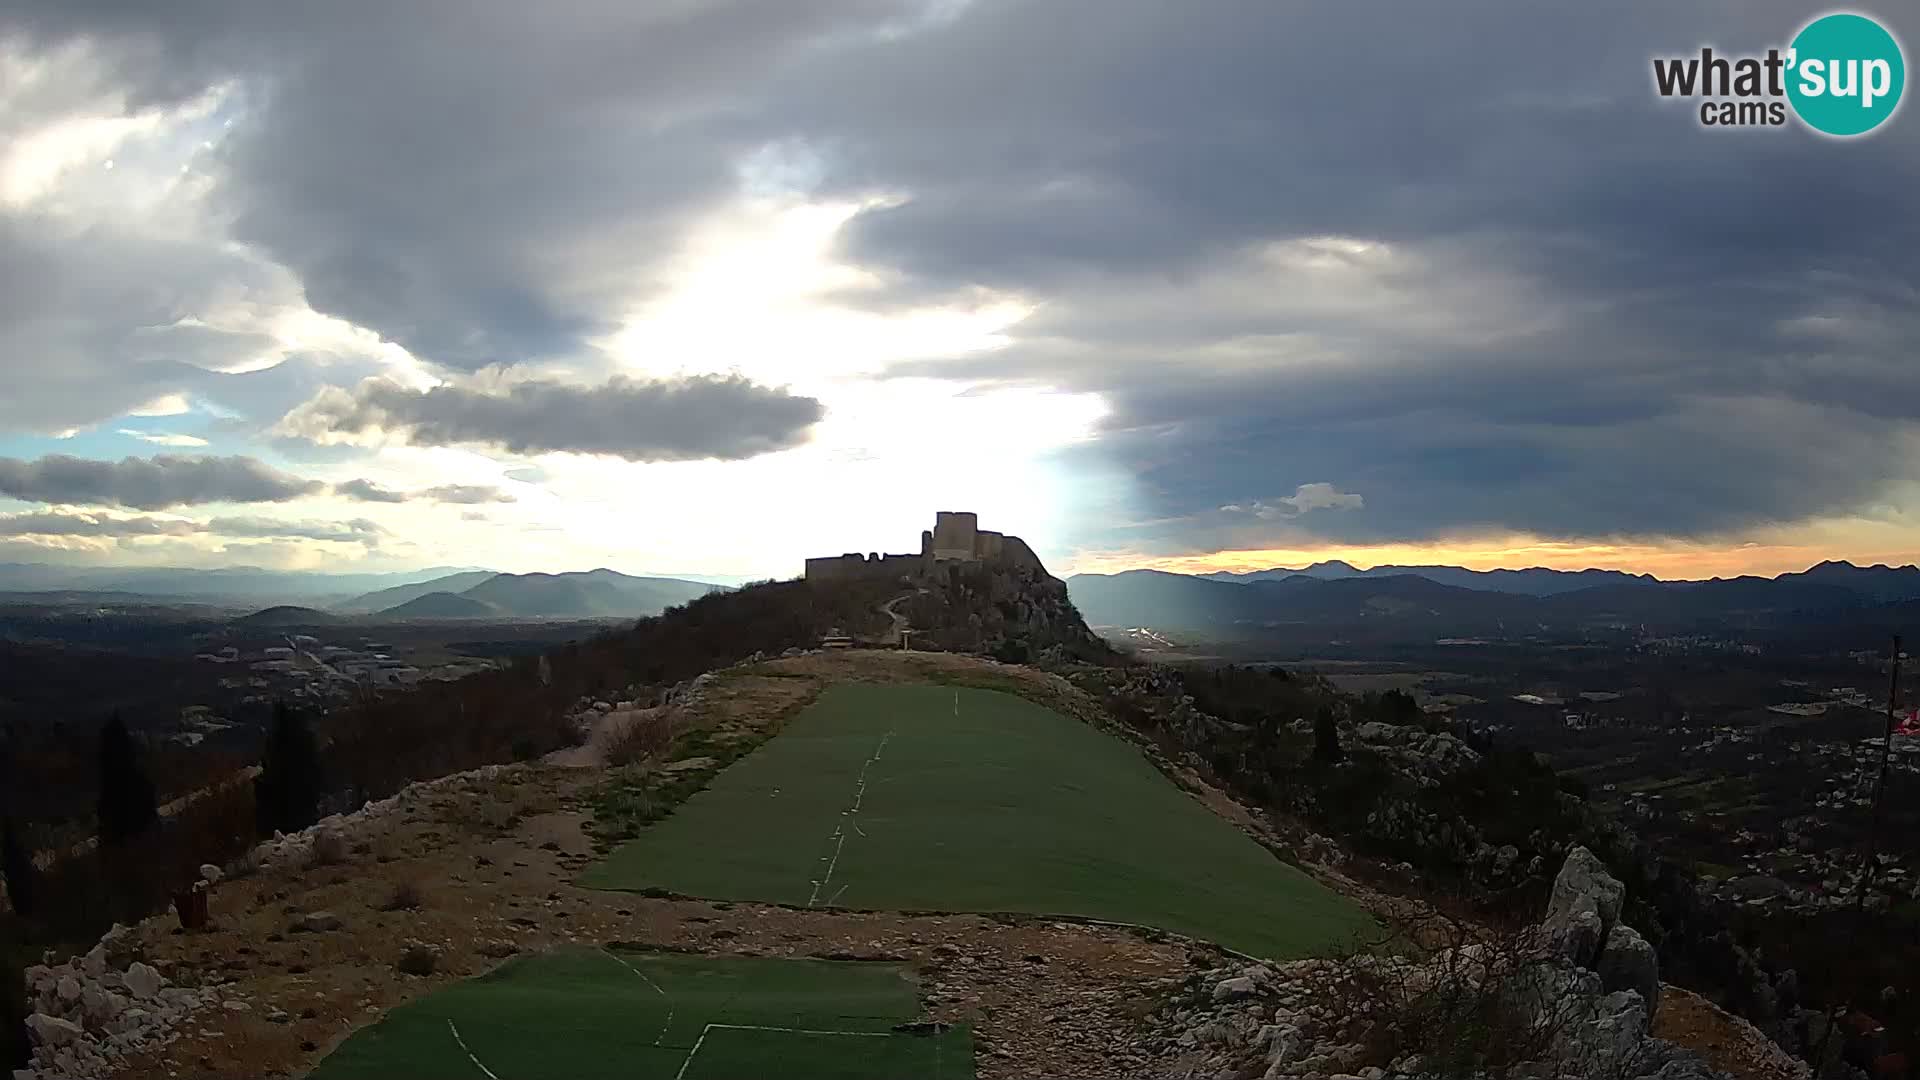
{"x":153,"y":483}
{"x":728,"y":418}
{"x":481,"y":183}
{"x":1583,"y":313}
{"x":458,"y":494}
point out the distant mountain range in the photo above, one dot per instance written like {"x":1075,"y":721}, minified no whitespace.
{"x":585,"y":595}
{"x":239,"y":585}
{"x":1423,"y":599}
{"x":1537,"y":581}
{"x":589,"y":594}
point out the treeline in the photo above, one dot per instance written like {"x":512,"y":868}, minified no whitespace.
{"x":383,"y":741}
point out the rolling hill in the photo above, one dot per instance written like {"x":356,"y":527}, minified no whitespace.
{"x":589,"y":594}
{"x":288,"y":615}
{"x":440,"y":605}
{"x":382,"y":600}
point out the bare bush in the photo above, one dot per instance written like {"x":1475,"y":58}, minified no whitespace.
{"x":1476,"y":1000}
{"x":645,"y":736}
{"x":418,"y":959}
{"x":406,"y":896}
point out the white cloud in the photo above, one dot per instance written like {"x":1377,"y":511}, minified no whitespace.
{"x":1305,"y":499}
{"x":164,"y":438}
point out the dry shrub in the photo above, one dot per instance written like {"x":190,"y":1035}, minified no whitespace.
{"x":1468,"y":1005}
{"x":418,"y":959}
{"x":646,"y":735}
{"x":243,"y":866}
{"x":407,"y":896}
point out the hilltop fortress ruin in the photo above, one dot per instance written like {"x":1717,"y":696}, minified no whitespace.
{"x":956,"y":537}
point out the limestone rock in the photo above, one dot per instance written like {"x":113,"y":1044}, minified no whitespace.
{"x":53,"y":1031}
{"x":143,"y":982}
{"x":1583,"y":885}
{"x":1578,"y":938}
{"x":319,"y":922}
{"x":1234,"y":989}
{"x":1628,"y":963}
{"x":100,"y":1007}
{"x":329,"y":847}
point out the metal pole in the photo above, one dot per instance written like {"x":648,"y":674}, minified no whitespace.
{"x":1869,"y":861}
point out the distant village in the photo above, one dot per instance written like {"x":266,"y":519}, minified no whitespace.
{"x":307,"y":669}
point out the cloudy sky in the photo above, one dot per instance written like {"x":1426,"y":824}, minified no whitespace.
{"x":712,"y":285}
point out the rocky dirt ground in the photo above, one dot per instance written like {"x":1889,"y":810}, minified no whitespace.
{"x":1048,"y":998}
{"x":473,"y":870}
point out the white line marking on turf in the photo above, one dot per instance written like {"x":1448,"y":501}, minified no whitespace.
{"x":657,"y":1039}
{"x":956,"y":703}
{"x":470,"y":1057}
{"x":839,"y":833}
{"x":701,"y":1041}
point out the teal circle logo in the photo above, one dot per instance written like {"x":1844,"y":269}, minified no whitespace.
{"x":1845,"y":74}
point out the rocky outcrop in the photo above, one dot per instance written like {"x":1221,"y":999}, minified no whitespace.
{"x":1583,"y":924}
{"x":95,"y":1009}
{"x":1377,"y":1016}
{"x":996,"y":604}
{"x":1431,"y":756}
{"x":1277,"y":1021}
{"x":1628,"y":963}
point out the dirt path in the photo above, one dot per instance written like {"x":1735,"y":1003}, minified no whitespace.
{"x":899,"y":628}
{"x":607,"y":729}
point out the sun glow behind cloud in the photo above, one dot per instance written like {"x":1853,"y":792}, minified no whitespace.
{"x":759,"y":292}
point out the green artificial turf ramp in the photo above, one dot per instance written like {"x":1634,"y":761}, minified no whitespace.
{"x":932,"y":798}
{"x":592,"y":1014}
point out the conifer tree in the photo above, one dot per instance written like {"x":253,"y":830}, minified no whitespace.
{"x":288,"y":791}
{"x":126,"y":805}
{"x":18,"y":864}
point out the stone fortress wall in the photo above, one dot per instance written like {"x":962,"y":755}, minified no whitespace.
{"x":956,"y":536}
{"x":854,"y":566}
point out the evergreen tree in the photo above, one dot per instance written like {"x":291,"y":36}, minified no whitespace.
{"x":16,"y":1047}
{"x":18,"y":864}
{"x":288,"y":790}
{"x":1326,"y":736}
{"x":126,"y":805}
